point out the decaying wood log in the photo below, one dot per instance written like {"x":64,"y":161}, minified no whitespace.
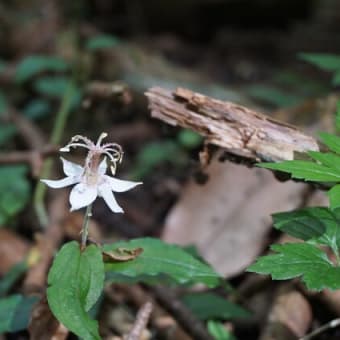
{"x":239,"y":130}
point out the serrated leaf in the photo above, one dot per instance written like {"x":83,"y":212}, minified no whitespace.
{"x":330,"y":160}
{"x":15,"y":312}
{"x":101,"y":41}
{"x":212,"y":306}
{"x":318,"y":223}
{"x":218,"y":331}
{"x":75,"y":283}
{"x":306,"y":170}
{"x":299,"y":260}
{"x":332,"y":141}
{"x":334,"y":197}
{"x":304,"y":224}
{"x":32,"y":65}
{"x":328,"y":62}
{"x":159,"y":259}
{"x":14,"y":189}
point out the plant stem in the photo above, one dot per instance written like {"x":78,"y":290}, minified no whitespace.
{"x":85,"y":228}
{"x":58,"y":129}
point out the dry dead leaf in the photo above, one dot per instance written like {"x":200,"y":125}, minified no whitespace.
{"x":121,"y":254}
{"x":43,"y":324}
{"x":13,"y":249}
{"x":228,"y":218}
{"x":289,"y":318}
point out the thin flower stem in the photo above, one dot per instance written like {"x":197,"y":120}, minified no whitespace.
{"x":85,"y":228}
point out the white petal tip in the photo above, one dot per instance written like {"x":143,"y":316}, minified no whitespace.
{"x":64,"y":149}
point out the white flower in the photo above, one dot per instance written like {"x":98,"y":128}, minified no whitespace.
{"x":91,"y":180}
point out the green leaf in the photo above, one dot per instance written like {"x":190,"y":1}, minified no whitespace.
{"x":154,"y":154}
{"x":37,"y":108}
{"x":332,"y":141}
{"x":211,"y":306}
{"x":337,"y":116}
{"x":14,"y":189}
{"x":160,"y":259}
{"x":328,"y":159}
{"x":11,"y":277}
{"x":304,"y":224}
{"x":75,"y":283}
{"x":15,"y":312}
{"x":328,"y":62}
{"x":218,"y":331}
{"x":299,"y":260}
{"x":318,"y":223}
{"x":101,"y":41}
{"x":52,"y":86}
{"x":189,"y":139}
{"x":336,"y":78}
{"x":334,"y":197}
{"x":306,"y":170}
{"x":32,"y":65}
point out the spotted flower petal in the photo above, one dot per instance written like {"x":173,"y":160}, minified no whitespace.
{"x":82,"y":195}
{"x":119,"y":185}
{"x":104,"y":191}
{"x":60,"y":183}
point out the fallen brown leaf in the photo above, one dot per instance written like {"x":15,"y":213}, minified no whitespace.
{"x":228,"y":218}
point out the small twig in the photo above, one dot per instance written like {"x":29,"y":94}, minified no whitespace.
{"x":140,"y":323}
{"x":182,"y":314}
{"x":30,"y":133}
{"x":332,"y":324}
{"x":33,"y":157}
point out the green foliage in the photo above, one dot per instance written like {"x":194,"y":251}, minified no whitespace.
{"x":327,"y":62}
{"x":76,"y":281}
{"x":324,"y":167}
{"x":334,"y":196}
{"x":218,"y":331}
{"x":154,"y":154}
{"x":32,"y":65}
{"x":189,"y":139}
{"x":306,"y":170}
{"x":15,"y":312}
{"x":53,"y":87}
{"x":11,"y":277}
{"x":37,"y":108}
{"x":337,"y":116}
{"x":14,"y":191}
{"x":320,"y":224}
{"x":207,"y":306}
{"x":333,"y":142}
{"x":157,"y":260}
{"x":101,"y":42}
{"x":300,"y":260}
